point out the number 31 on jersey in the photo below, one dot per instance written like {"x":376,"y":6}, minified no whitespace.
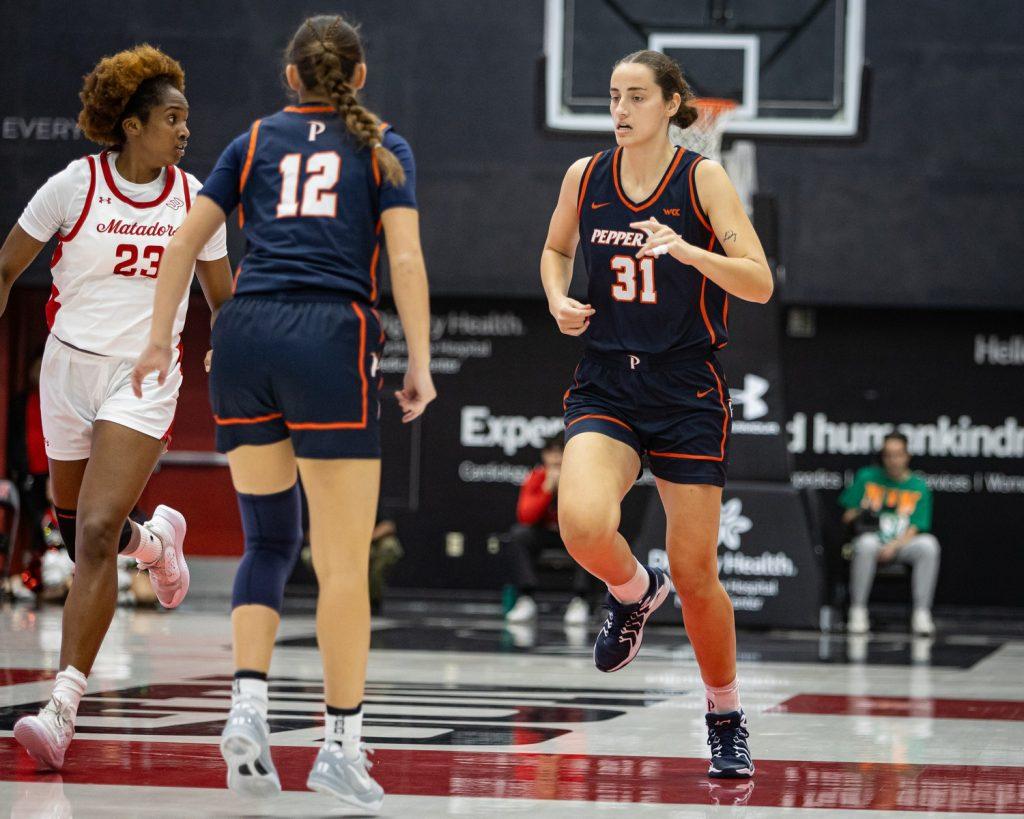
{"x":625,"y":287}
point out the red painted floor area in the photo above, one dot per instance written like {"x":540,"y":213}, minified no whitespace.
{"x":669,"y":780}
{"x":16,"y":676}
{"x":1011,"y":710}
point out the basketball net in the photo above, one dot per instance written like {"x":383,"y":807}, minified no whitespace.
{"x":704,"y":136}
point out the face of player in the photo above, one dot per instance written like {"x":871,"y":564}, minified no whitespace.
{"x":162,"y":138}
{"x":638,"y":109}
{"x":895,"y":458}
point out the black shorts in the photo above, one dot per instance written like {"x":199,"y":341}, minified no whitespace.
{"x":677,"y":413}
{"x":298,"y":366}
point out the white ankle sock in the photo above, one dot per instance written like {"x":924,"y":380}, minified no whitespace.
{"x":345,"y":729}
{"x":252,"y":690}
{"x":69,"y":687}
{"x":725,"y":699}
{"x":144,"y":546}
{"x":635,"y":588}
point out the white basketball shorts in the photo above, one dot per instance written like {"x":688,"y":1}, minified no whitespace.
{"x":77,"y":389}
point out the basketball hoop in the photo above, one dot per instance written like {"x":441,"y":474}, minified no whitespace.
{"x":704,"y":136}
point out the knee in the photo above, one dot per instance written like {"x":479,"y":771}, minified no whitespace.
{"x":694,"y":579}
{"x":342,"y":582}
{"x":867,"y":544}
{"x":96,"y":538}
{"x":585,"y":530}
{"x":929,"y":543}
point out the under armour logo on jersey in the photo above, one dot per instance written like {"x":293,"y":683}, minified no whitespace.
{"x":316,"y":127}
{"x":634,"y":360}
{"x":104,"y":200}
{"x":174,"y":203}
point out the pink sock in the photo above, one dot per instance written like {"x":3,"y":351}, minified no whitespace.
{"x":725,"y":699}
{"x":635,"y":588}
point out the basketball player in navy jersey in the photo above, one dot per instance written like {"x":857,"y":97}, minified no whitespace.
{"x":294,"y":382}
{"x":666,"y":242}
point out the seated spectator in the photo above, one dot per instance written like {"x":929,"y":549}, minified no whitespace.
{"x":537,"y":530}
{"x":890,"y":509}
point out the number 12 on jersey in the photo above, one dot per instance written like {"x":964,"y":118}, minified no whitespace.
{"x":625,"y":287}
{"x":323,"y":169}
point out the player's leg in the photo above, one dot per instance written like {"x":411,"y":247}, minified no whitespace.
{"x":597,"y":472}
{"x":862,"y":577}
{"x":269,"y":502}
{"x":692,"y":512}
{"x":342,"y":495}
{"x":922,"y":554}
{"x":101,"y":491}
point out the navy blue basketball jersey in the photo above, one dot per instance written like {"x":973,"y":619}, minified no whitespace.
{"x":309,"y":200}
{"x":650,"y":305}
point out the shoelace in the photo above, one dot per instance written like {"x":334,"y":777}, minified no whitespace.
{"x":717,"y":737}
{"x":60,"y":713}
{"x":632,"y":620}
{"x":167,"y":563}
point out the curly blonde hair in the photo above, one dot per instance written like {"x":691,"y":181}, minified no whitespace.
{"x":126,"y":84}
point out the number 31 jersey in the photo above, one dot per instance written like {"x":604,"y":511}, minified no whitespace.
{"x":309,"y":201}
{"x":111,"y":236}
{"x":650,"y":305}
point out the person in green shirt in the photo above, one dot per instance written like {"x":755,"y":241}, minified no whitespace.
{"x":891,"y":509}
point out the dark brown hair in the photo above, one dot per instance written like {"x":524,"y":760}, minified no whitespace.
{"x":326,"y":50}
{"x":129,"y":83}
{"x":669,"y":77}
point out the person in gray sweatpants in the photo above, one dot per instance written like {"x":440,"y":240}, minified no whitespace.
{"x":891,"y":508}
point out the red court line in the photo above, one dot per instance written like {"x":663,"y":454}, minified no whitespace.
{"x":16,"y":676}
{"x":1004,"y":710}
{"x":667,"y":780}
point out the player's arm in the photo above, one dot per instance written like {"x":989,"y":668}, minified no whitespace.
{"x":215,"y":279}
{"x":202,"y":222}
{"x":412,"y":298}
{"x":17,"y":253}
{"x":556,"y":260}
{"x":743,"y":272}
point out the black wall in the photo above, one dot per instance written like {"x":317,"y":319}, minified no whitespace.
{"x":924,"y":211}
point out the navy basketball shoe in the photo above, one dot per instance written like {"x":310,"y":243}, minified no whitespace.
{"x":730,"y":754}
{"x":623,"y":631}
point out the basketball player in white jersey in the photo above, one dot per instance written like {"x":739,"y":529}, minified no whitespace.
{"x":113,"y":214}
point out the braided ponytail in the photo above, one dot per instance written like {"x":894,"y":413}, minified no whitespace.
{"x":326,"y":51}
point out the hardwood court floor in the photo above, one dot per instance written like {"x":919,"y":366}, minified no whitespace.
{"x":469,"y":718}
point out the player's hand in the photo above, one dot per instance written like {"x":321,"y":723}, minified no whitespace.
{"x":572,"y":317}
{"x":208,"y":361}
{"x":152,"y":358}
{"x":661,"y":239}
{"x":417,"y":391}
{"x":888,"y":552}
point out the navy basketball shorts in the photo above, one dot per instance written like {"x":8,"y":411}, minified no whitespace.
{"x":677,"y":413}
{"x":299,"y":368}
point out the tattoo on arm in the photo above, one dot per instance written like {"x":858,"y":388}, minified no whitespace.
{"x":729,"y":235}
